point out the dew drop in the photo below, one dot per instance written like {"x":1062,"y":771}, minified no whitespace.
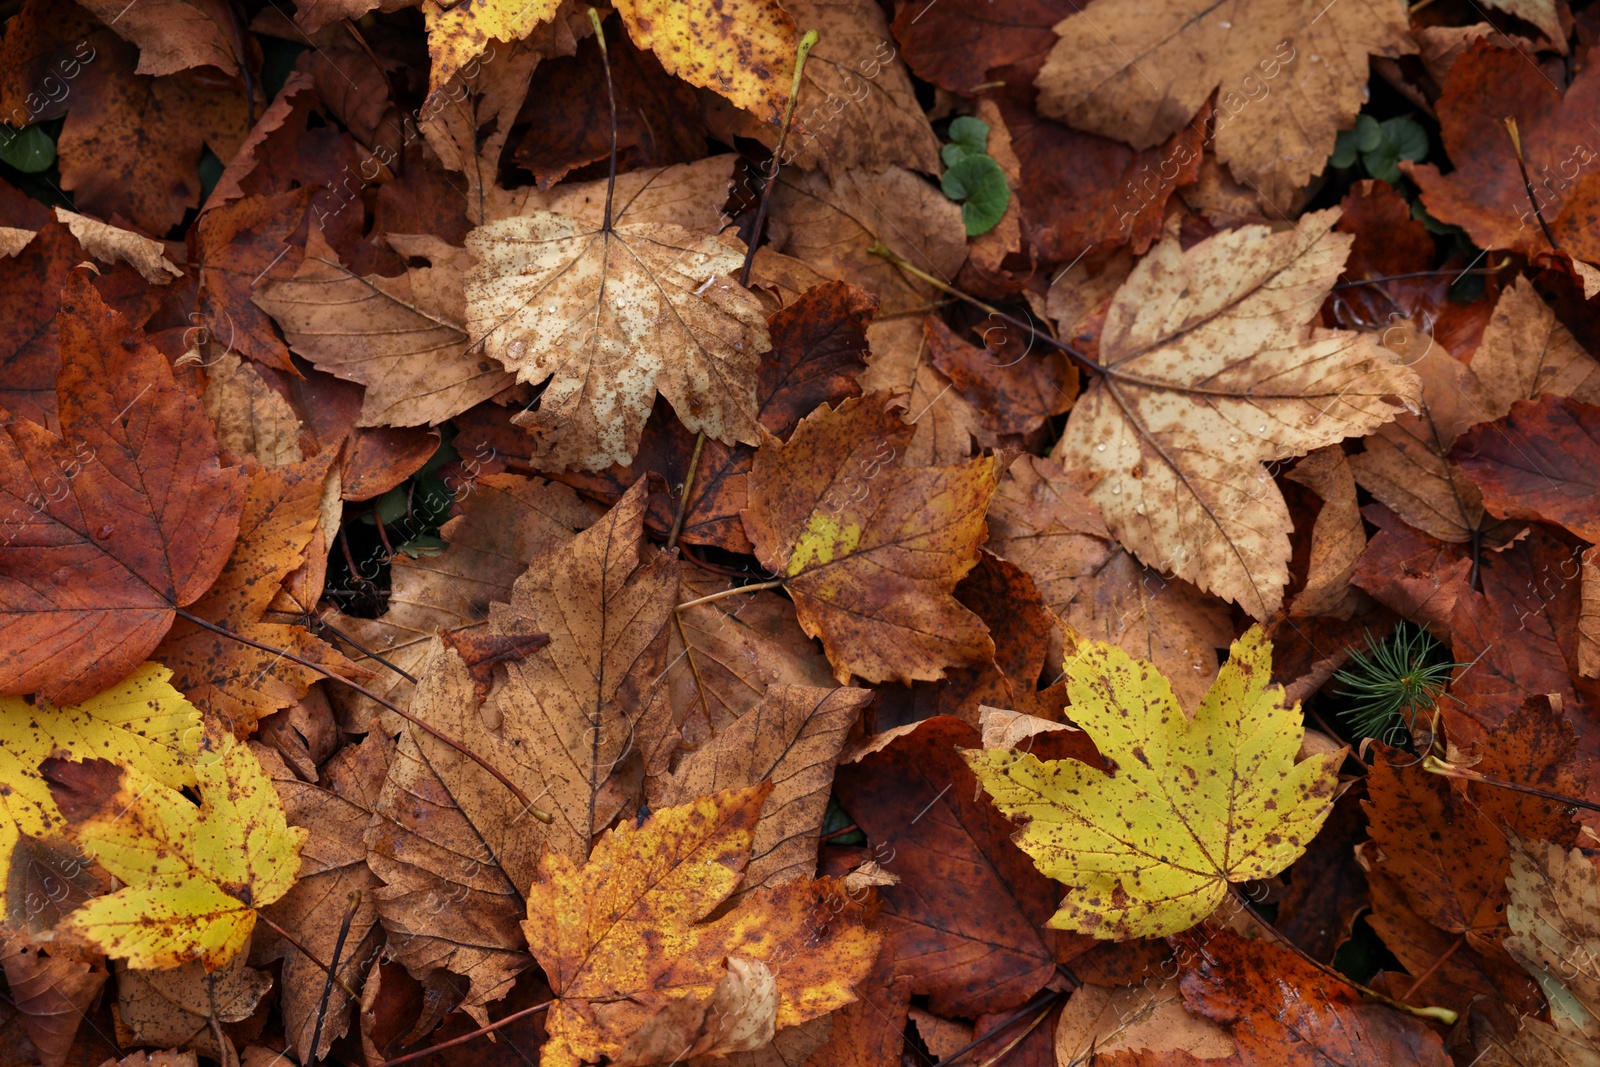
{"x":105,"y":531}
{"x":1101,"y":447}
{"x":1139,"y":508}
{"x":1233,"y":438}
{"x":1226,"y":25}
{"x":1115,"y":489}
{"x":1262,"y":428}
{"x":516,"y":348}
{"x":1316,"y":58}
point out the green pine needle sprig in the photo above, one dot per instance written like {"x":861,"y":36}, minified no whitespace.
{"x":1391,"y":685}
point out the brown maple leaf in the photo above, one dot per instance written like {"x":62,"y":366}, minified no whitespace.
{"x":114,"y":526}
{"x":870,"y":550}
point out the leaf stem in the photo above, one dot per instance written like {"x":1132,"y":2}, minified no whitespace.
{"x":327,"y":988}
{"x":1527,"y":183}
{"x":308,"y":954}
{"x":800,"y":55}
{"x":756,"y":588}
{"x":688,"y":487}
{"x":543,"y":816}
{"x":611,"y":99}
{"x":1088,"y":365}
{"x":1435,"y":765}
{"x":464,"y":1038}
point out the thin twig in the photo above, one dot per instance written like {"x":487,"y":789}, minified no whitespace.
{"x":1434,"y":966}
{"x":324,"y":624}
{"x":800,"y":54}
{"x":756,"y":588}
{"x":333,"y":970}
{"x":1435,"y":765}
{"x":883,"y":251}
{"x":543,"y":816}
{"x":1444,"y":1015}
{"x":1527,"y":183}
{"x":464,"y":1038}
{"x":1420,"y":274}
{"x":688,"y":487}
{"x":383,"y":534}
{"x":308,"y":954}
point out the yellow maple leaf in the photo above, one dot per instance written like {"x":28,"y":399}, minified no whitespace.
{"x":194,"y":874}
{"x":1189,"y":806}
{"x":641,"y":978}
{"x":141,"y":721}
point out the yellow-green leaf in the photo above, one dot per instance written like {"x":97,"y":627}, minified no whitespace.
{"x":142,"y":722}
{"x":1189,"y":806}
{"x":194,"y":875}
{"x":742,"y":49}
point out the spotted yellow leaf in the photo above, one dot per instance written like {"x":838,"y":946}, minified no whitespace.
{"x":194,"y":874}
{"x":1149,"y":849}
{"x":742,"y":49}
{"x":142,"y":722}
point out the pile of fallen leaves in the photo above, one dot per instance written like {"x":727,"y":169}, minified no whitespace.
{"x":991,"y":532}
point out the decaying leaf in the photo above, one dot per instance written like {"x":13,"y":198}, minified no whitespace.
{"x":403,"y":338}
{"x":1142,"y":850}
{"x":612,"y":316}
{"x":141,"y":722}
{"x":870,"y":550}
{"x":593,"y":928}
{"x":1210,"y":370}
{"x":741,"y":49}
{"x":94,"y":566}
{"x":194,"y":874}
{"x":1290,"y":77}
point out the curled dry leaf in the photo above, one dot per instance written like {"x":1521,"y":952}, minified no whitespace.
{"x":612,"y":316}
{"x":627,"y":936}
{"x":1209,"y":369}
{"x":870,"y":551}
{"x":95,"y":566}
{"x":403,"y":338}
{"x":1141,"y":850}
{"x":175,"y":1007}
{"x":1337,"y":538}
{"x":52,"y":992}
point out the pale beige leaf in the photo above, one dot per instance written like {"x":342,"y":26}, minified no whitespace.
{"x":1554,"y":915}
{"x":1526,"y":352}
{"x":111,"y":244}
{"x":1337,"y":538}
{"x":251,"y":418}
{"x":1043,"y":521}
{"x":174,"y":1008}
{"x":1289,"y":75}
{"x":831,"y":226}
{"x":1014,"y":729}
{"x":1099,"y":1020}
{"x":1211,"y":369}
{"x":404,"y":338}
{"x":690,"y":195}
{"x":793,"y":737}
{"x":608,"y":318}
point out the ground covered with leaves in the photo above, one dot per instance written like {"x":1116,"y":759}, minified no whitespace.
{"x":799,"y":533}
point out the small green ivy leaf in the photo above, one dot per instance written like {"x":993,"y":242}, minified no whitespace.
{"x":1369,"y":133}
{"x":30,"y":149}
{"x":979,"y":183}
{"x":969,"y":134}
